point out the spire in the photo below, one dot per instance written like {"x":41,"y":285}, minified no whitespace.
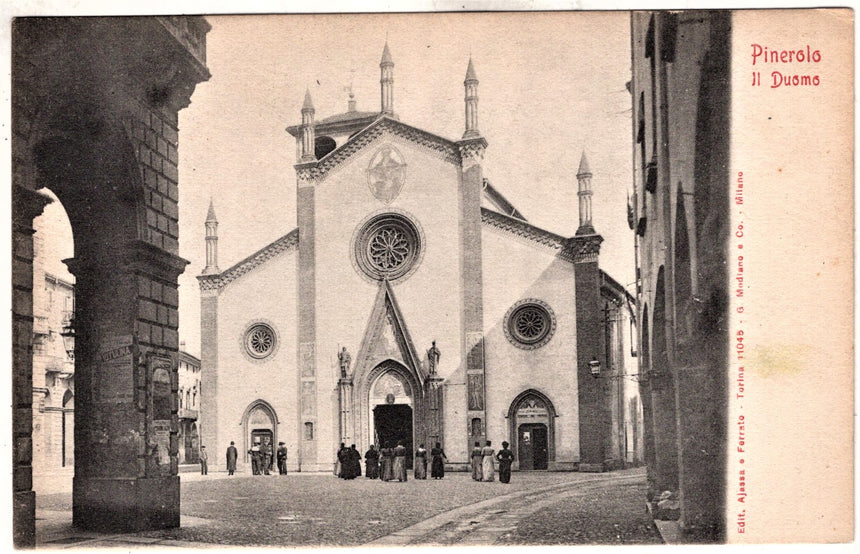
{"x":211,"y":241}
{"x":584,"y":169}
{"x":386,"y":55}
{"x":470,"y":71}
{"x":210,"y":215}
{"x":308,"y":104}
{"x":471,"y":86}
{"x":308,"y":139}
{"x":386,"y":81}
{"x":583,"y":175}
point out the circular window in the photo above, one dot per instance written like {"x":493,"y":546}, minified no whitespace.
{"x":529,"y":324}
{"x":387,"y":246}
{"x":260,"y":340}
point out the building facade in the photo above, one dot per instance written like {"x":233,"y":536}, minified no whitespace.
{"x":413,"y":303}
{"x":190,"y":394}
{"x":680,"y":214}
{"x":53,"y":364}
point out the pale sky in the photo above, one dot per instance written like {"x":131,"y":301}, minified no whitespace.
{"x":551,"y":85}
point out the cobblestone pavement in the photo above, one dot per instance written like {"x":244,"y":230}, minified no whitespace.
{"x":310,"y":510}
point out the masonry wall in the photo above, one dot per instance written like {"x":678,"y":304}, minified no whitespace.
{"x":515,"y":270}
{"x":428,"y":298}
{"x":267,"y":294}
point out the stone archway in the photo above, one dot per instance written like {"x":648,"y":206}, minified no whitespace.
{"x":389,"y":377}
{"x":258,"y":422}
{"x":95,"y":107}
{"x":531,"y":420}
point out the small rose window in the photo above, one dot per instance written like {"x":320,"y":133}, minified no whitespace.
{"x":260,"y":340}
{"x":530,"y":324}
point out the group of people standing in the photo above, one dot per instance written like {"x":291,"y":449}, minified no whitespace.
{"x":261,"y":458}
{"x":348,"y":464}
{"x":483,"y":462}
{"x":388,"y":464}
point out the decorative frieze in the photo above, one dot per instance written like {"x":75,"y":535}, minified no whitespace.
{"x":289,"y":241}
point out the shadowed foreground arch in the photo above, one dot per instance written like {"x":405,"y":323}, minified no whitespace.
{"x":95,"y":108}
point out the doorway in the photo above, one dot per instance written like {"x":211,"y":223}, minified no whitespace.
{"x":533,"y":446}
{"x":393,"y":424}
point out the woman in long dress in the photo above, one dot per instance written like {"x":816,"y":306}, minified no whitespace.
{"x":400,"y":462}
{"x":387,"y":457}
{"x":477,"y":459}
{"x":506,"y":458}
{"x":437,"y":467}
{"x":371,"y":468}
{"x":488,"y":464}
{"x":421,"y":462}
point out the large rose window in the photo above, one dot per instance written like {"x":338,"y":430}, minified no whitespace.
{"x":387,"y":246}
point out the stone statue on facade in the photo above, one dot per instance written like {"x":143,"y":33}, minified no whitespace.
{"x":433,"y":355}
{"x":344,"y":360}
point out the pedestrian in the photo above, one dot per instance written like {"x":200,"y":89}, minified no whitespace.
{"x":266,"y":456}
{"x":506,"y":458}
{"x":400,"y":462}
{"x":350,"y":466}
{"x":477,"y":459}
{"x":437,"y":465}
{"x":338,"y":466}
{"x":254,"y":452}
{"x":371,"y":463}
{"x":232,"y":455}
{"x":387,"y":457}
{"x":488,"y":463}
{"x":204,"y":459}
{"x":420,"y":462}
{"x":282,"y":458}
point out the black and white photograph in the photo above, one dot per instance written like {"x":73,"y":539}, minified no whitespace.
{"x":469,"y":278}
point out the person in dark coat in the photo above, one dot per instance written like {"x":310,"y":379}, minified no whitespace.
{"x":232,"y":456}
{"x":282,"y":458}
{"x":354,"y":461}
{"x":505,"y":458}
{"x":341,"y":453}
{"x":371,"y":463}
{"x":437,"y":467}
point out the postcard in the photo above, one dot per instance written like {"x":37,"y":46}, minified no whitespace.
{"x":433,"y":279}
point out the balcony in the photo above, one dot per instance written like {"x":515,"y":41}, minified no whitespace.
{"x":185,"y":413}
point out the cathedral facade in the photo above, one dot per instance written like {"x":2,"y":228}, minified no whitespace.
{"x":413,"y":303}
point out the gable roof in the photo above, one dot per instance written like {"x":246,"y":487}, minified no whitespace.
{"x":443,"y":148}
{"x":290,"y":241}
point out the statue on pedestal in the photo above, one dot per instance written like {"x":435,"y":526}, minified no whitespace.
{"x":433,"y":355}
{"x":344,"y":360}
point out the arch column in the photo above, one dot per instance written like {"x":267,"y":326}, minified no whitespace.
{"x":126,"y":424}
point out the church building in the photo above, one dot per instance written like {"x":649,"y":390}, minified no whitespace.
{"x":414,"y":303}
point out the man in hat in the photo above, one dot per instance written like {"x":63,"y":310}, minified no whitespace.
{"x":282,"y":458}
{"x":232,"y":455}
{"x":204,"y":459}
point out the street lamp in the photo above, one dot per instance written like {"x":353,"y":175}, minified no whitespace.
{"x":68,"y":335}
{"x":594,"y":366}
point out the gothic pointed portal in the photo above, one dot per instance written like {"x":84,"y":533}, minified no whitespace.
{"x":387,"y":352}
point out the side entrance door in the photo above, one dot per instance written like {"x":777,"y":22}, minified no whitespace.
{"x":532,"y":451}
